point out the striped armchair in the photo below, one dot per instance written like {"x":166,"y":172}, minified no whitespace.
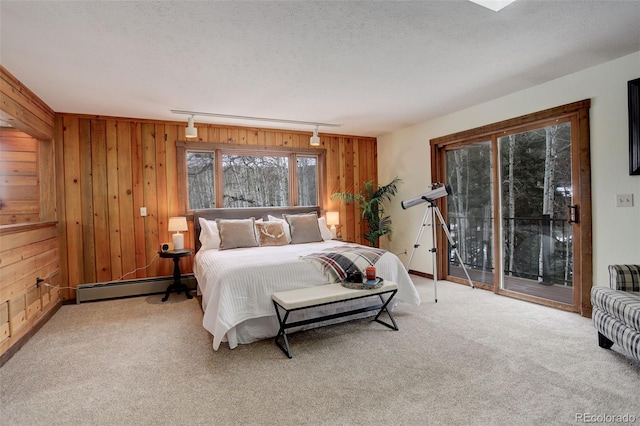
{"x":616,"y":310}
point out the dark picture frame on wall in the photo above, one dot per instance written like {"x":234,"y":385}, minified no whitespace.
{"x":634,"y":126}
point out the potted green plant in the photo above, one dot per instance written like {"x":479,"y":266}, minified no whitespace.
{"x":371,"y":200}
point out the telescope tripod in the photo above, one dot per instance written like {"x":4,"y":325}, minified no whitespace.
{"x":430,"y":215}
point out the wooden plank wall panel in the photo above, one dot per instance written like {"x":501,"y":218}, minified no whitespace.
{"x":350,"y":182}
{"x":26,"y":256}
{"x":347,"y":211}
{"x":331,"y":145}
{"x":252,"y":136}
{"x":19,"y":178}
{"x":20,"y":268}
{"x":86,"y":198}
{"x":125,"y":200}
{"x":60,"y":200}
{"x":164,"y":268}
{"x":353,"y":180}
{"x":138,"y":199}
{"x":74,"y":220}
{"x":113,"y":203}
{"x":100,"y":201}
{"x":171,"y":191}
{"x":47,"y":180}
{"x":34,"y":304}
{"x":4,"y":321}
{"x":112,"y":167}
{"x":150,"y":193}
{"x":332,"y":178}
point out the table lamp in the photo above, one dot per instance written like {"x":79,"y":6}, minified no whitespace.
{"x":333,"y":219}
{"x":177,"y":224}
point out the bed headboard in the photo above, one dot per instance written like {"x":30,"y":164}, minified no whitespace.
{"x":244,"y":213}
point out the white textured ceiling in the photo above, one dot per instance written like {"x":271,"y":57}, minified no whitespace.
{"x":373,"y":66}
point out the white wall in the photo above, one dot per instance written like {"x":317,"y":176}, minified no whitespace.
{"x":616,"y":231}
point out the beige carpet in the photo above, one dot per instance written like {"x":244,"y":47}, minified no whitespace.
{"x":473,"y":358}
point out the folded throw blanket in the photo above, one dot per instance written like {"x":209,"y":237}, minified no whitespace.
{"x":337,"y":261}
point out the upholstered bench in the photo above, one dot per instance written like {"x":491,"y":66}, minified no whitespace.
{"x":311,"y":297}
{"x":616,"y":310}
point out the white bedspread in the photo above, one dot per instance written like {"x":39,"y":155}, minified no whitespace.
{"x":237,"y":284}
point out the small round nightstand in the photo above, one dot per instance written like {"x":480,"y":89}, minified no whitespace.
{"x":177,"y":286}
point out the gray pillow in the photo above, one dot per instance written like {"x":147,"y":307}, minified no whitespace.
{"x":304,"y":228}
{"x":237,"y":233}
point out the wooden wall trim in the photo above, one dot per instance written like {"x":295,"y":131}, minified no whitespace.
{"x":25,"y":111}
{"x":24,"y":227}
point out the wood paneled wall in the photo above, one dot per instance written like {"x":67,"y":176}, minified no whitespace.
{"x":28,"y":253}
{"x":107,"y":168}
{"x":28,"y":234}
{"x":19,"y":186}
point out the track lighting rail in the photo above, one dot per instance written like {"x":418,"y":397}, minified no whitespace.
{"x":242,"y":117}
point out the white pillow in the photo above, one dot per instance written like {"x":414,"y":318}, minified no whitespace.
{"x":285,"y":226}
{"x":257,"y":221}
{"x":209,"y":235}
{"x":325,"y":232}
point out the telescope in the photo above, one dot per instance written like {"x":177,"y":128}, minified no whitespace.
{"x":431,"y":215}
{"x":437,"y":190}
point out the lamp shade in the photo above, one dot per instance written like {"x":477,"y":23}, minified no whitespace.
{"x":177,"y":224}
{"x":333,"y":218}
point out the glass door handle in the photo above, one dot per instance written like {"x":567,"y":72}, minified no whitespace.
{"x":573,"y":214}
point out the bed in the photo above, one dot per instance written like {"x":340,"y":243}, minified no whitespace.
{"x":236,"y":284}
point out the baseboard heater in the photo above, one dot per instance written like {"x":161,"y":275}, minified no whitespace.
{"x":137,"y":287}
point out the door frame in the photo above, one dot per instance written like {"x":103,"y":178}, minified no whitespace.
{"x":578,"y":112}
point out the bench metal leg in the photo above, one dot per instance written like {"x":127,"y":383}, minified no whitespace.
{"x":282,"y":332}
{"x":384,"y":309}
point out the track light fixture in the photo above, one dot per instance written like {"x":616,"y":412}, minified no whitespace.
{"x":315,"y":140}
{"x":190,"y":131}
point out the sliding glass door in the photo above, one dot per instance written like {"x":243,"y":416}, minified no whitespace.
{"x":535,"y":194}
{"x":469,"y":211}
{"x":519,"y":212}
